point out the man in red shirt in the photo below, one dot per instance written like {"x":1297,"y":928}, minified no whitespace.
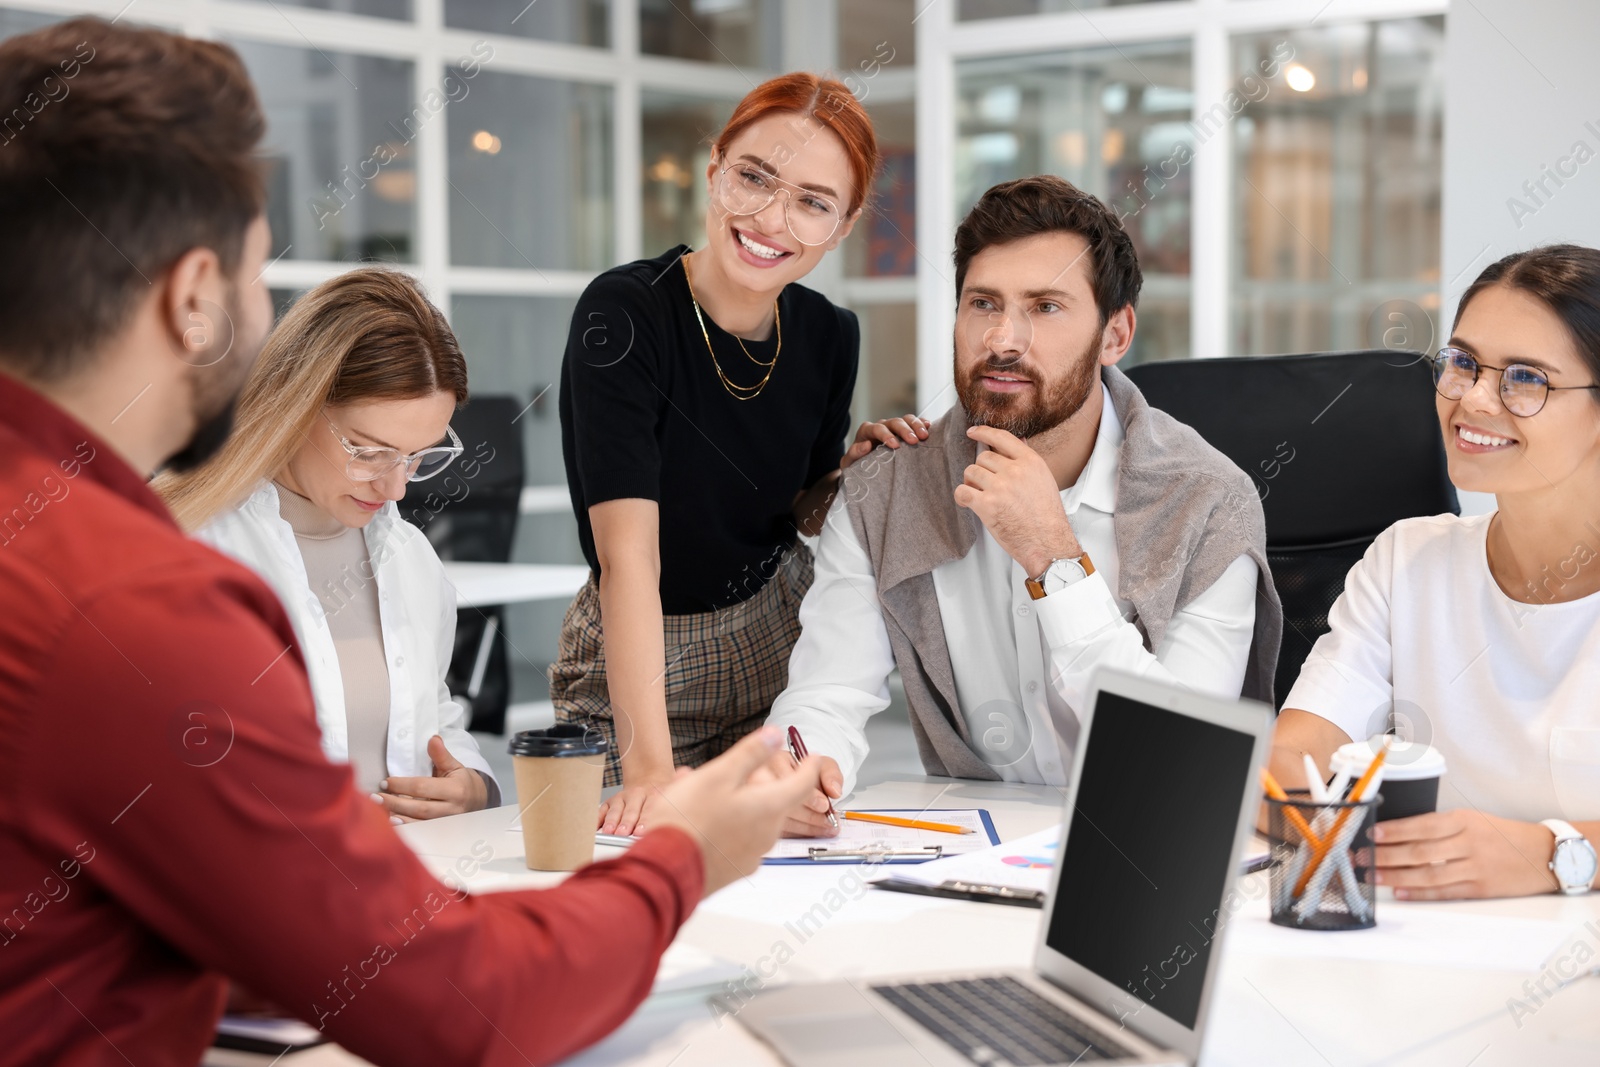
{"x":167,"y":819}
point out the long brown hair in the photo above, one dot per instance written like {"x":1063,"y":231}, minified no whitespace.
{"x":370,"y":334}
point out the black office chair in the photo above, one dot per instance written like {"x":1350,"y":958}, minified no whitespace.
{"x":1341,"y":445}
{"x":470,"y":514}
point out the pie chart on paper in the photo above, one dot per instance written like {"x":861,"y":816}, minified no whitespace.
{"x":1032,"y":862}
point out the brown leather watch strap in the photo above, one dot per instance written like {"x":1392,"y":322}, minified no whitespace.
{"x":1035,"y":586}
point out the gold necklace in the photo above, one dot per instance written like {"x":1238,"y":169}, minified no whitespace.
{"x":735,"y":390}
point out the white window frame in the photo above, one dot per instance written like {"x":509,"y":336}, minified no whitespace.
{"x":809,"y":35}
{"x":1208,"y":25}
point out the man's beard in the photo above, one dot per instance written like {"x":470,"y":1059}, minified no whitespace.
{"x":217,"y":387}
{"x":208,"y":439}
{"x":1053,"y":402}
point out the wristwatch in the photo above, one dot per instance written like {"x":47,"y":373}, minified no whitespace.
{"x":1573,"y":862}
{"x":1060,"y":574}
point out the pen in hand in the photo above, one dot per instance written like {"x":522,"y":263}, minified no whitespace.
{"x":797,"y":750}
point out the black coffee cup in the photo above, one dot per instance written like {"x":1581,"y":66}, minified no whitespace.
{"x":1411,"y":773}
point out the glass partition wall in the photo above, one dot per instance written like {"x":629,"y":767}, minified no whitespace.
{"x":507,"y":151}
{"x":1107,"y":120}
{"x":1277,"y":164}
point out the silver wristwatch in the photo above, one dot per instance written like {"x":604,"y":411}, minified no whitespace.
{"x":1060,"y":574}
{"x":1574,"y":862}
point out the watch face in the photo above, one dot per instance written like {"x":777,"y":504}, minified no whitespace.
{"x":1062,"y":573}
{"x":1575,"y":863}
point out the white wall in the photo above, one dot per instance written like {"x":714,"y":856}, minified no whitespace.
{"x":1521,"y":137}
{"x":1522,"y":107}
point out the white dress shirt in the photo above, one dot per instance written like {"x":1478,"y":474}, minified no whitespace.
{"x":1505,"y":690}
{"x":1022,"y":666}
{"x":417,"y":610}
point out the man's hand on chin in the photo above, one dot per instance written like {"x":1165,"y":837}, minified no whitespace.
{"x":1010,"y":488}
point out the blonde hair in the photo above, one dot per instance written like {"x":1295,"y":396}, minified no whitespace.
{"x":369,"y":334}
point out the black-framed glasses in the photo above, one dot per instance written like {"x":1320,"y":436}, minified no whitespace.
{"x":368,"y":463}
{"x":1523,"y":389}
{"x":745,"y":189}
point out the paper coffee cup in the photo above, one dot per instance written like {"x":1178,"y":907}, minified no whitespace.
{"x":1411,"y":773}
{"x":559,"y":773}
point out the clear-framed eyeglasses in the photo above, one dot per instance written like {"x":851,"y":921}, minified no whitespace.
{"x":1523,"y":389}
{"x":744,"y":189}
{"x":369,"y":463}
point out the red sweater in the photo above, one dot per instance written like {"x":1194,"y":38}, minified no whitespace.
{"x":167,"y":819}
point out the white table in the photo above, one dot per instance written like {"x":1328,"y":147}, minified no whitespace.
{"x":483,"y":584}
{"x":1267,"y":1011}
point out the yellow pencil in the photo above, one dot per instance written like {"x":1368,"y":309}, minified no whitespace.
{"x":1275,"y":791}
{"x":915,"y":824}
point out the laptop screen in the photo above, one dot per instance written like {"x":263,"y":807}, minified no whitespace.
{"x":1148,"y":851}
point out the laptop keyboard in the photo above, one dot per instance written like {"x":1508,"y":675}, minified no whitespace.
{"x":999,"y":1021}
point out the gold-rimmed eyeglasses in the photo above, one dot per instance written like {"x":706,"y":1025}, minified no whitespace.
{"x":744,"y":189}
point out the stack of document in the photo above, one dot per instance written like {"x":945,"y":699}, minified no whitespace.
{"x":688,"y":969}
{"x":1024,"y":864}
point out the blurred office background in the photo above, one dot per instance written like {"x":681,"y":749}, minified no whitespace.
{"x":1280,"y":164}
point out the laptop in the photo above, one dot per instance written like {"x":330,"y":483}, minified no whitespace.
{"x":1161,"y":804}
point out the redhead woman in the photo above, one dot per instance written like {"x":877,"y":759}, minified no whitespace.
{"x":349,"y":403}
{"x":1486,"y":629}
{"x":705,"y":405}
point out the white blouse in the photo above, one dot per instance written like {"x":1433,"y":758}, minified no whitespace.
{"x":1507,"y":691}
{"x":417,"y":609}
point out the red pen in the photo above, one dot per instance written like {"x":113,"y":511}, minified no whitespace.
{"x":797,"y":751}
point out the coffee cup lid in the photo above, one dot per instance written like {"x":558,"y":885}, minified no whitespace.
{"x":1407,"y":760}
{"x":562,"y":739}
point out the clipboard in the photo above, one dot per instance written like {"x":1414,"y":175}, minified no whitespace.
{"x":871,"y":843}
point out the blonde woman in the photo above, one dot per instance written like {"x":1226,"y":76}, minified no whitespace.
{"x":349,"y":402}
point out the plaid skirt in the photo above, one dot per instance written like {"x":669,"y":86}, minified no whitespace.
{"x":724,"y":668}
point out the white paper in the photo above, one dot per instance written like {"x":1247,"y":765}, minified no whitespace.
{"x":685,"y":968}
{"x":856,"y":834}
{"x":1025,"y":863}
{"x":271,"y":1029}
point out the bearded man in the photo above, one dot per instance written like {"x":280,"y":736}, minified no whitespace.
{"x":1053,"y":523}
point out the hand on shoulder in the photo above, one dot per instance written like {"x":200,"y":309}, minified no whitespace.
{"x":912,"y":429}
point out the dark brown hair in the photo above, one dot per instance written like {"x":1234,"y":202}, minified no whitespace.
{"x":369,"y":334}
{"x":120,"y":150}
{"x":1565,"y":278}
{"x":1045,"y":203}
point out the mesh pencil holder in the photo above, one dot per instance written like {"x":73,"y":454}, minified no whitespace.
{"x":1323,"y":882}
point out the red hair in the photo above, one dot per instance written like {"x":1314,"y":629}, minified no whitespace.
{"x":827,"y":101}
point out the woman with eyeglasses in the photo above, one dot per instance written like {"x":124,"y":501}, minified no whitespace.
{"x":705,"y":405}
{"x":1484,"y":631}
{"x":350,"y":402}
